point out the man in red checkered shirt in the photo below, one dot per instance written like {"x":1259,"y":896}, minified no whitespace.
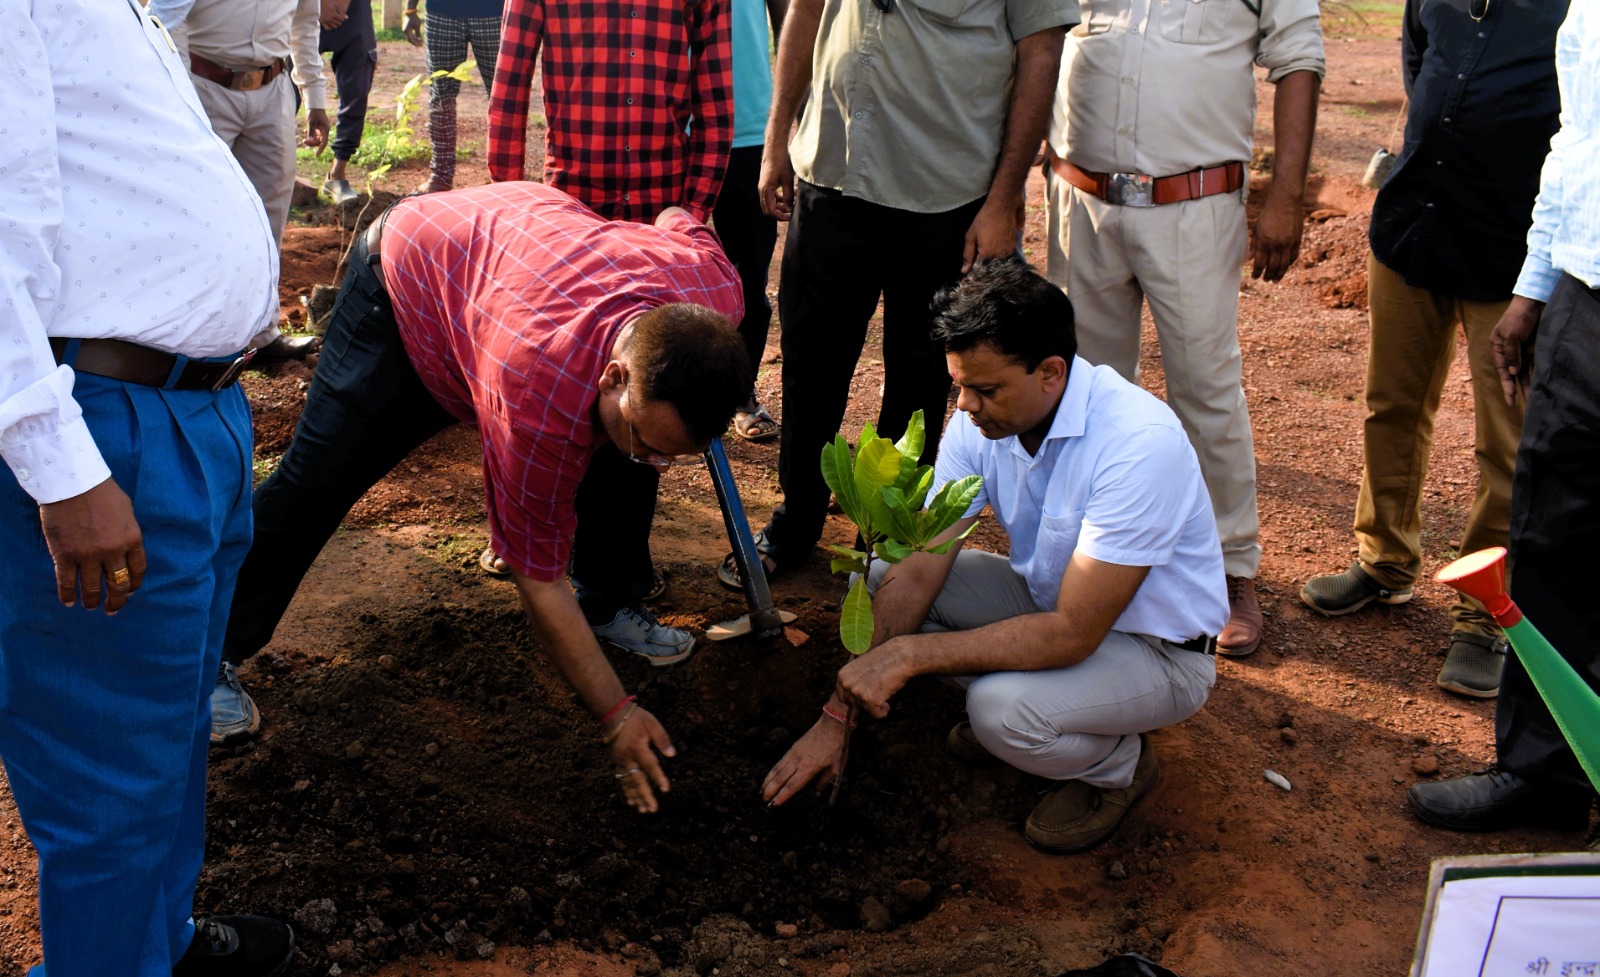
{"x":555,"y":332}
{"x":639,"y":101}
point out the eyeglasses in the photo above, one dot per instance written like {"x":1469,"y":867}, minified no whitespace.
{"x":659,"y":462}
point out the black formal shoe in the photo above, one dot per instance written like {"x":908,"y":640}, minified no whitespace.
{"x":1494,"y":798}
{"x":238,"y":946}
{"x":289,"y":348}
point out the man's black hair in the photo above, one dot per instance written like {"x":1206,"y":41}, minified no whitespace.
{"x":692,"y":358}
{"x":1005,"y":302}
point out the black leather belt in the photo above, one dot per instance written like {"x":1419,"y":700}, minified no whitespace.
{"x":132,"y":363}
{"x":1205,"y":644}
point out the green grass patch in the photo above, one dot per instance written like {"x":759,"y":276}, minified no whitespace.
{"x":1358,"y":18}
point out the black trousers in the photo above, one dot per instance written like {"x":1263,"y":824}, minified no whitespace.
{"x":748,"y":239}
{"x":354,"y":46}
{"x":841,"y":254}
{"x":1555,"y":531}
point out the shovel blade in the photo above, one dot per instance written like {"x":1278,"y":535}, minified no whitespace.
{"x":739,"y":627}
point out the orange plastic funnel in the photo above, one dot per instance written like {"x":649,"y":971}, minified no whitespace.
{"x":1483,"y":575}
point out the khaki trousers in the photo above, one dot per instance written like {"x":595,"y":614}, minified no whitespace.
{"x":1184,"y":258}
{"x":1413,"y":343}
{"x":259,"y":128}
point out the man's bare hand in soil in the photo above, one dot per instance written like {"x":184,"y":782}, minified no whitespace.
{"x":813,"y":757}
{"x":867,"y":682}
{"x":639,"y":738}
{"x":1512,"y":340}
{"x":94,"y":537}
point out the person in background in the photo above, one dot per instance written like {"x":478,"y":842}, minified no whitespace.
{"x":1549,"y":335}
{"x":135,"y":265}
{"x":749,"y":235}
{"x":1154,"y":125}
{"x":348,"y":34}
{"x":453,"y":27}
{"x":1448,"y":238}
{"x":920,"y":122}
{"x":238,"y":53}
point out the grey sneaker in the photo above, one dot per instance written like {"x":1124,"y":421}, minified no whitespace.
{"x":1473,"y":665}
{"x":635,"y":629}
{"x":1348,"y":592}
{"x":234,"y":716}
{"x":340,"y":192}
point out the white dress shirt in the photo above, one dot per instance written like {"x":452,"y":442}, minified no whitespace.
{"x":1565,"y":236}
{"x":121,"y":216}
{"x":1165,"y":86}
{"x":243,"y":34}
{"x":1115,"y":479}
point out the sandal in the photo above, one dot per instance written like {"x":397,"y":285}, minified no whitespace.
{"x":755,"y":426}
{"x":658,"y":585}
{"x":489,"y":562}
{"x":728,"y":573}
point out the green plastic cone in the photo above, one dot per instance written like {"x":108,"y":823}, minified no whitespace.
{"x":1575,"y":706}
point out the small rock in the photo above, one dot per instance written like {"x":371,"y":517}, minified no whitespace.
{"x":355,"y":750}
{"x":432,"y":749}
{"x":1276,"y":779}
{"x":1374,"y":857}
{"x":1285,"y":719}
{"x":786,"y":931}
{"x":486,"y":950}
{"x":300,"y":785}
{"x":317,"y":916}
{"x":1117,"y":871}
{"x":914,"y":890}
{"x":795,"y":636}
{"x":875,"y":915}
{"x":1288,"y":735}
{"x":1425,"y":766}
{"x":387,"y":663}
{"x":840,"y":969}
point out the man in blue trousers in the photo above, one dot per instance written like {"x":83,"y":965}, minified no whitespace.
{"x":136,"y":261}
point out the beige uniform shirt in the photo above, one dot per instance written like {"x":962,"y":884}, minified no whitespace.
{"x":242,"y":34}
{"x":1164,"y":86}
{"x":907,"y":106}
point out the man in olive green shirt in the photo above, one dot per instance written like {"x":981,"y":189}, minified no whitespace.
{"x":908,"y":165}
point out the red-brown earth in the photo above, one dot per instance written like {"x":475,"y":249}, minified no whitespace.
{"x":427,"y":798}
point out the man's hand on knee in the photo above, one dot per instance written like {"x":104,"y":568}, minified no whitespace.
{"x":95,"y":541}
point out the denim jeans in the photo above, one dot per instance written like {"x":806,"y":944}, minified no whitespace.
{"x":366,"y":410}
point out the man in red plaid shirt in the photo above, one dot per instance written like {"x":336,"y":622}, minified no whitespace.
{"x":639,"y":102}
{"x":555,"y":332}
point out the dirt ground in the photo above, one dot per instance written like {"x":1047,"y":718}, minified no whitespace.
{"x":427,"y":798}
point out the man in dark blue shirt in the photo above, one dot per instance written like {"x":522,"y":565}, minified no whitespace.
{"x":1448,"y":237}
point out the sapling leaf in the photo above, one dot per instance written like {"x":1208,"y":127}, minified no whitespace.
{"x":953,"y":500}
{"x":855,"y":618}
{"x":918,"y":496}
{"x":845,"y":565}
{"x":851,"y":552}
{"x":944,"y":547}
{"x":892,"y":551}
{"x":838,"y":471}
{"x":877,"y":467}
{"x":911,"y":443}
{"x":900,"y":521}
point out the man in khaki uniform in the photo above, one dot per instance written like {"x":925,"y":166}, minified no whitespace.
{"x":238,"y":55}
{"x":1151,"y":134}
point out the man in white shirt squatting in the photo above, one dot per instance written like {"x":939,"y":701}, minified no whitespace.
{"x":1100,"y":625}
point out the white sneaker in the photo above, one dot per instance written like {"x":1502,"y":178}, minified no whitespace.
{"x":234,"y":716}
{"x":635,"y":629}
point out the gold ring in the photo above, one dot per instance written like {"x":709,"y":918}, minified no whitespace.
{"x":119,"y":577}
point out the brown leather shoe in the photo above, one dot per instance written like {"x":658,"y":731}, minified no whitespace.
{"x":1243,"y":634}
{"x":963,"y":742}
{"x":1076,"y":816}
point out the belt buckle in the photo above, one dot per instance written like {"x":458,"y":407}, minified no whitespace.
{"x":1130,"y":189}
{"x":249,"y":81}
{"x":234,"y":369}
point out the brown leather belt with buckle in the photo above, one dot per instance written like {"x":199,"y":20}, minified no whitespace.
{"x":1139,"y":190}
{"x":132,"y":363}
{"x":246,"y":80}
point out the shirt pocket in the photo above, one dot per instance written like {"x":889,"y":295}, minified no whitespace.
{"x":1058,"y":537}
{"x":1195,"y":21}
{"x":942,"y":11}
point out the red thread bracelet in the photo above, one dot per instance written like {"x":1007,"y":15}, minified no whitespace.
{"x":842,"y":720}
{"x":617,"y":708}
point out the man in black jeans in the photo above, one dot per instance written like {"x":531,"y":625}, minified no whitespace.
{"x":889,"y":192}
